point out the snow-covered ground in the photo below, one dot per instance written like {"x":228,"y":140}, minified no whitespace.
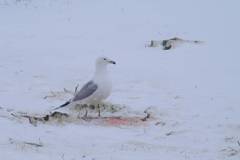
{"x":49,"y":45}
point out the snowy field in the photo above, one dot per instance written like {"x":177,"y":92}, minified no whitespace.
{"x":49,"y":45}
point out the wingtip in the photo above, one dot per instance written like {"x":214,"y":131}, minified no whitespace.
{"x":63,"y":105}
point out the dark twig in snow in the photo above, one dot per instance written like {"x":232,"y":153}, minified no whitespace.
{"x":76,"y":89}
{"x":13,"y":141}
{"x":146,"y":117}
{"x":170,"y":133}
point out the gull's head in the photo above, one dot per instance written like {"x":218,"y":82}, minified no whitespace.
{"x":103,"y":61}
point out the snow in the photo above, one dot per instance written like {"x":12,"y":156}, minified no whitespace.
{"x":194,"y":88}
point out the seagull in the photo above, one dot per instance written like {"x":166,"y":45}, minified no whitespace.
{"x":97,"y":89}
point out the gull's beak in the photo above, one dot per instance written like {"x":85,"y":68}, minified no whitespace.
{"x":112,"y":62}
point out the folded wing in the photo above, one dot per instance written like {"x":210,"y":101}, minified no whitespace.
{"x":87,"y":90}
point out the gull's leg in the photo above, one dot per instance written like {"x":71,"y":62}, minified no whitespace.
{"x":86,"y":111}
{"x":104,"y":107}
{"x":99,"y":114}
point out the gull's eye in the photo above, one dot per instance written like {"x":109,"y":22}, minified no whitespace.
{"x":104,"y":59}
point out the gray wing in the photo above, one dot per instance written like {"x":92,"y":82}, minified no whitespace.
{"x":87,"y":90}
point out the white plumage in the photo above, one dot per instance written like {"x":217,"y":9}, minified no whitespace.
{"x":97,"y":89}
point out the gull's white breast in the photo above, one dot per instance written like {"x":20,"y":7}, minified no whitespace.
{"x":103,"y":91}
{"x":104,"y":88}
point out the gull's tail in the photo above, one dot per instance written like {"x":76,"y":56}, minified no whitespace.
{"x":63,"y":105}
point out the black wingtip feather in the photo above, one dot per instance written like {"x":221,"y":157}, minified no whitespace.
{"x":63,"y":105}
